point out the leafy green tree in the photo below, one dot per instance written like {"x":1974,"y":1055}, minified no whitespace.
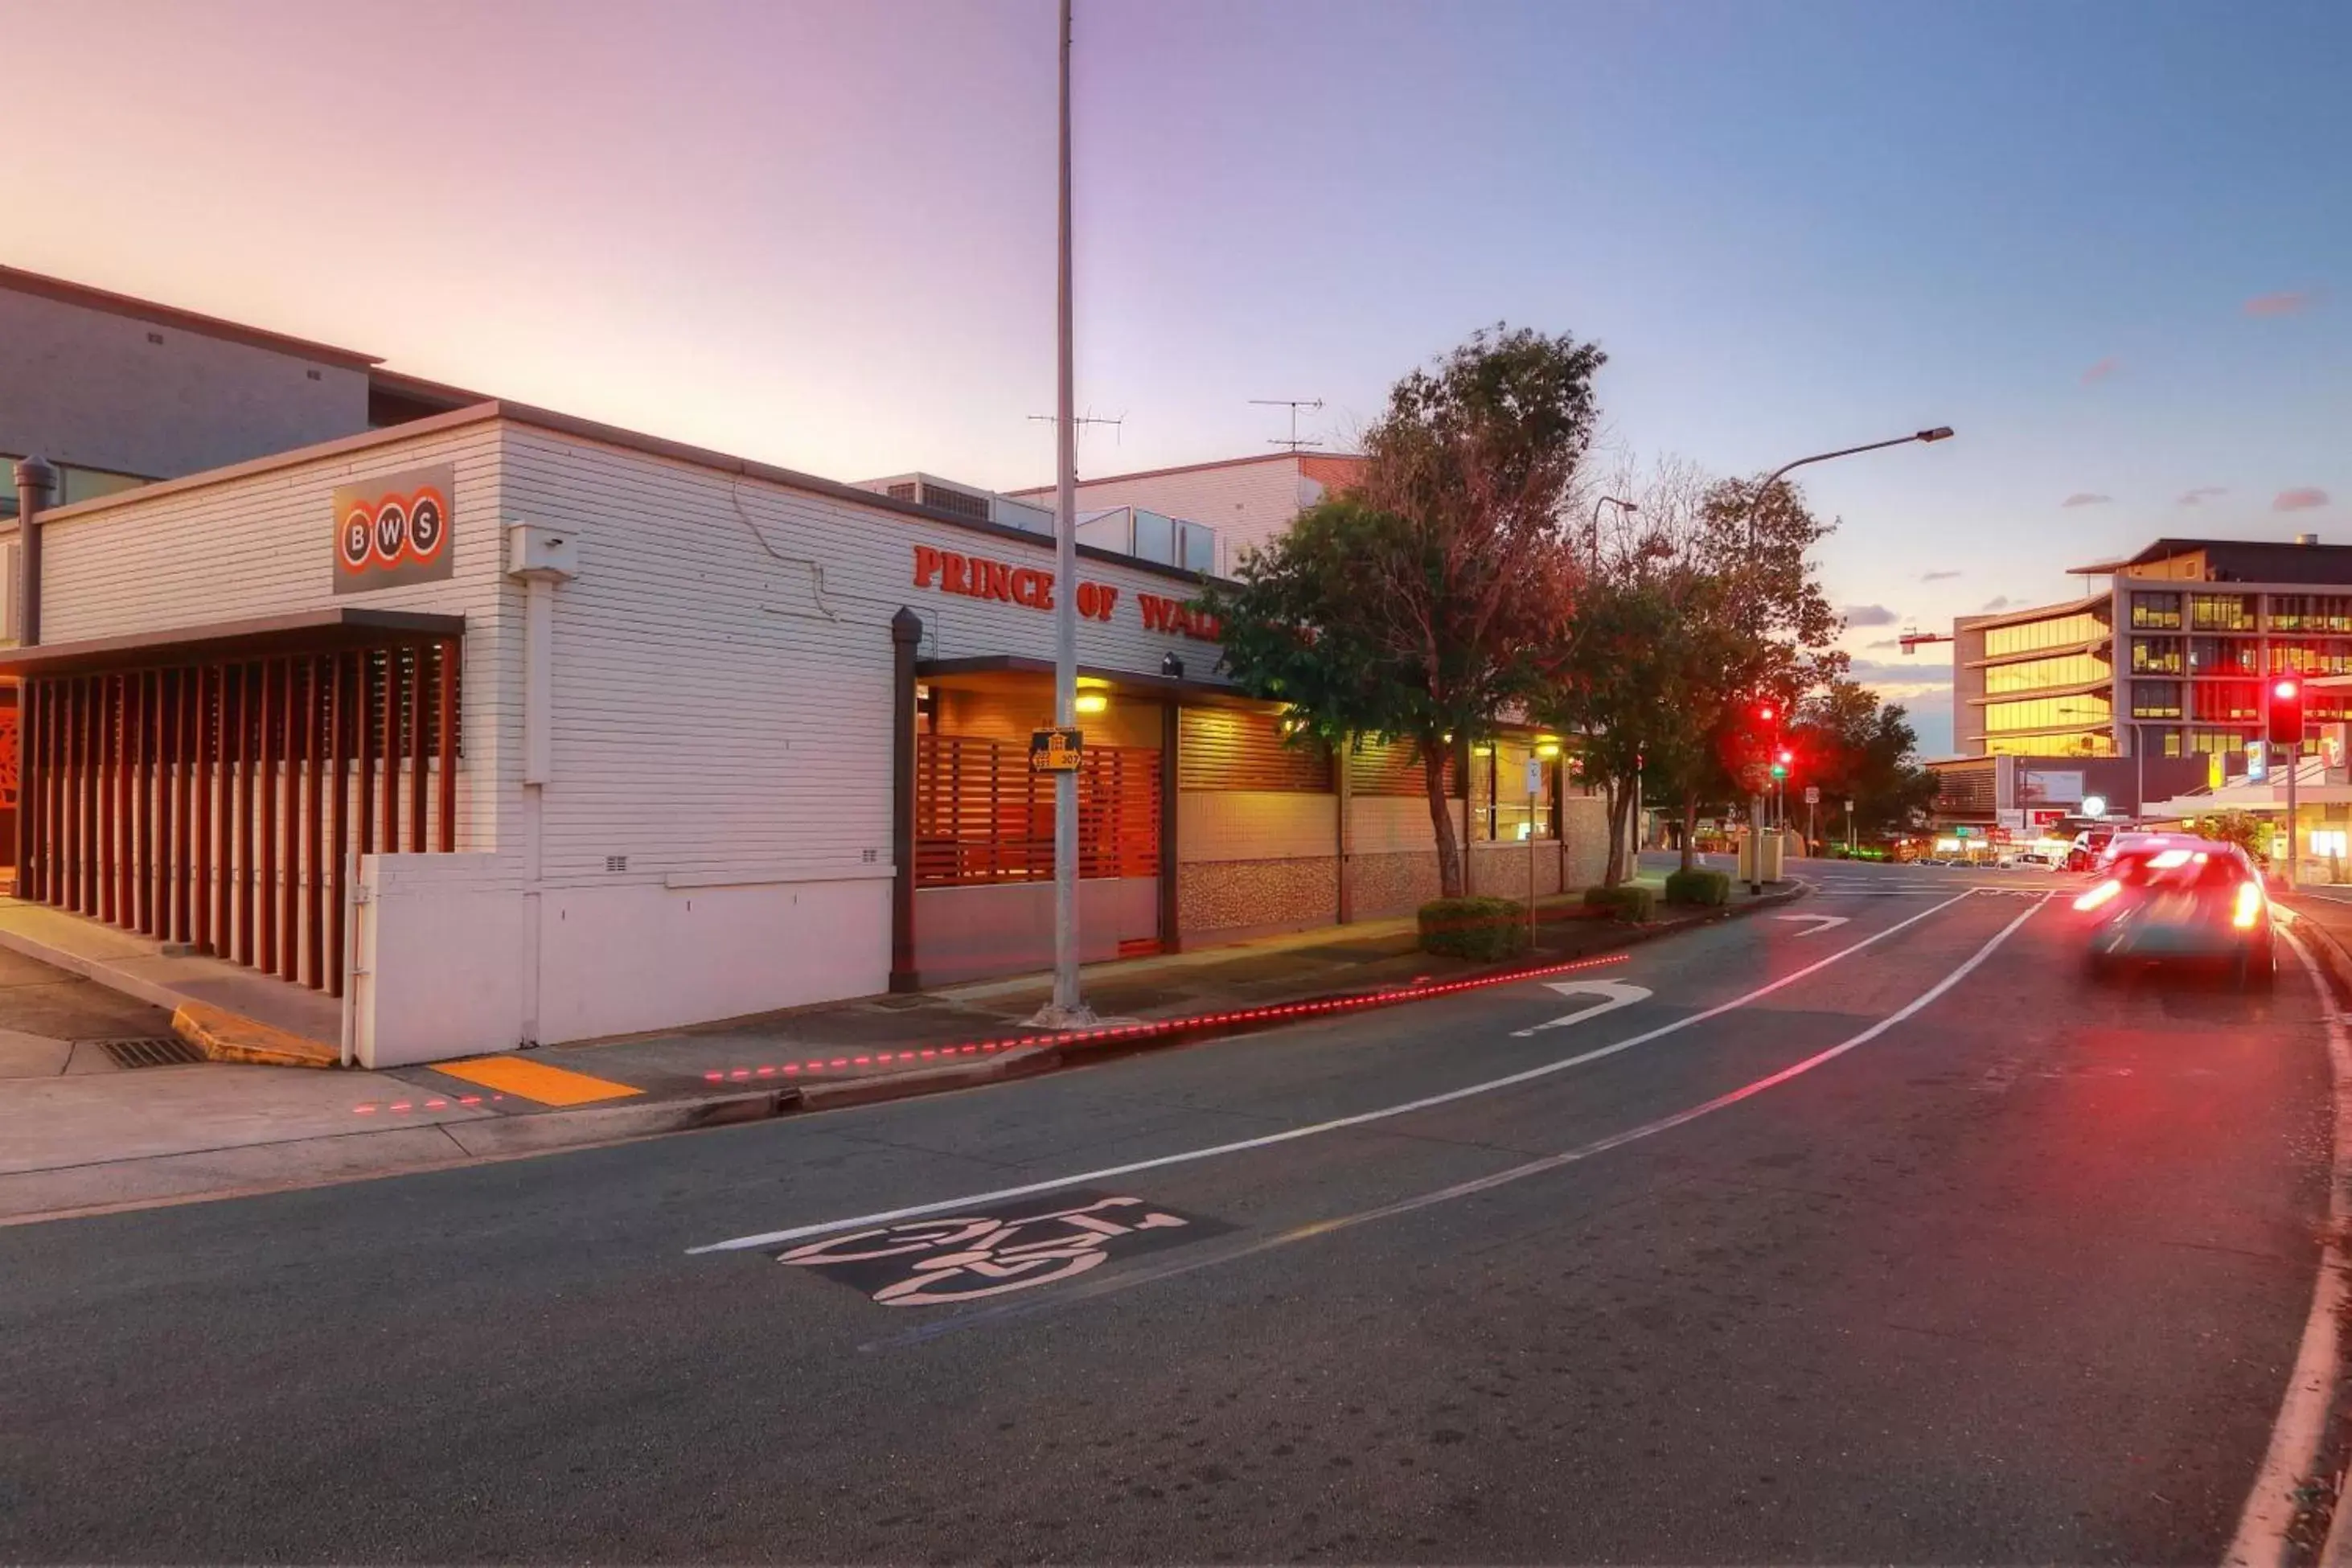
{"x":1694,"y":612}
{"x":2242,"y":828}
{"x":1858,"y":748}
{"x":1433,"y":596}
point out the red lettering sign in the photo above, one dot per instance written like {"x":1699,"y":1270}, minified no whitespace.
{"x":1165,"y":614}
{"x":975,"y":577}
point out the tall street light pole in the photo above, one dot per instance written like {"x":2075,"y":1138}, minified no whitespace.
{"x":1754,"y":512}
{"x":1066,"y":1010}
{"x":1623,"y":506}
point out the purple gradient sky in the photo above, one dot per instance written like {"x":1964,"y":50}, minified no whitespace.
{"x":2098,"y":238}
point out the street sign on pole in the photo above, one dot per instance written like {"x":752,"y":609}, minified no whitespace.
{"x":1812,"y":794}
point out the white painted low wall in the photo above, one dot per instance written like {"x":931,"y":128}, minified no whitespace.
{"x":973,"y":933}
{"x":440,"y":959}
{"x":447,"y":965}
{"x":617,"y":960}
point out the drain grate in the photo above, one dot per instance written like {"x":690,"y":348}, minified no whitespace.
{"x":153,"y":1051}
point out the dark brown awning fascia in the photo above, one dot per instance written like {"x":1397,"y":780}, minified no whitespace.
{"x":306,"y":631}
{"x":1126,"y":682}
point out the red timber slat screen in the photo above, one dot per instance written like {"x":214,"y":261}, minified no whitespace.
{"x":981,"y":817}
{"x":218,"y":803}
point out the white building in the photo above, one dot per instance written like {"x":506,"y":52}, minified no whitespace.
{"x":1244,"y":501}
{"x":508,"y":727}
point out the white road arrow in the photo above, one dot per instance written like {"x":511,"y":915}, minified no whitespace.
{"x":1820,"y":922}
{"x":1612,"y":995}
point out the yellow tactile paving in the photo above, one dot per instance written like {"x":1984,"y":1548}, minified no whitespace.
{"x":536,"y":1081}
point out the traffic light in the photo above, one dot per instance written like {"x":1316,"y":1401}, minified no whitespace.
{"x":1765,"y":712}
{"x":2286,"y":714}
{"x":1781,"y":759}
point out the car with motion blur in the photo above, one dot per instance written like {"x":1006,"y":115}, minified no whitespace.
{"x":2183,"y":904}
{"x":2034,"y":861}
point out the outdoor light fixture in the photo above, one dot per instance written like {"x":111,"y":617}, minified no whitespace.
{"x":1093,"y":702}
{"x":1171,"y":666}
{"x":1546,"y":748}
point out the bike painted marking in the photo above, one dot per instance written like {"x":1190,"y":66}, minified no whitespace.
{"x":1014,"y":1247}
{"x":1820,"y":922}
{"x":1612,"y":995}
{"x":1363,"y":1118}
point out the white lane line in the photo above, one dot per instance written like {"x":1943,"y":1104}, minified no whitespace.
{"x":1089,"y":1178}
{"x":2302,"y":1424}
{"x":1128,"y":1280}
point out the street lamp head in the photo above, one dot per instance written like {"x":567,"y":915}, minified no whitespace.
{"x":1940,"y":433}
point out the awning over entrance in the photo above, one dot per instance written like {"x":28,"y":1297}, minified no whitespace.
{"x":1188,"y":690}
{"x":307,"y":631}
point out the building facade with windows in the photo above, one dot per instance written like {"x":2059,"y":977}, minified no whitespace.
{"x":1242,"y":502}
{"x":2170,"y":655}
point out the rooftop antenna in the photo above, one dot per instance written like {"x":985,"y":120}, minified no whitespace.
{"x":1083,"y":420}
{"x":1293,"y":404}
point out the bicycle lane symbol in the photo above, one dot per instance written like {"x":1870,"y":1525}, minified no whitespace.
{"x":935,"y":1262}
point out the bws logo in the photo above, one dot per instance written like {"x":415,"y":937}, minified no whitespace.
{"x":394,"y":530}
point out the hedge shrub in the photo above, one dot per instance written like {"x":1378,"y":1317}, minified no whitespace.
{"x":1474,"y":928}
{"x":1698,"y":886}
{"x":1628,"y":901}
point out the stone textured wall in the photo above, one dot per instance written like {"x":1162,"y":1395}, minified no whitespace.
{"x":1500,"y":870}
{"x":1393,"y":884}
{"x":1242,"y":897}
{"x":1587,"y":836}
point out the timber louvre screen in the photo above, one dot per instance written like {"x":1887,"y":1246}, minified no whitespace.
{"x":215,"y":803}
{"x":983,"y":817}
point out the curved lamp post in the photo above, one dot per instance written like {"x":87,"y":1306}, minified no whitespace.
{"x":1755,"y":508}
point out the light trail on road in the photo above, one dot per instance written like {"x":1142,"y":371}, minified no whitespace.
{"x":1382,"y":1114}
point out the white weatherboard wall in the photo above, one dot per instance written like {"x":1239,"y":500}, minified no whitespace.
{"x":715,"y":836}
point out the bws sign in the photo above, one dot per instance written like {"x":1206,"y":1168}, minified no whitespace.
{"x":394,"y":529}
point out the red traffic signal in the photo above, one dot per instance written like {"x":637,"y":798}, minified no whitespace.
{"x":2285,"y":726}
{"x":1785,"y":756}
{"x":1764,"y":710}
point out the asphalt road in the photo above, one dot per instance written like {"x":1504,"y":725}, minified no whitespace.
{"x":1924,"y":1252}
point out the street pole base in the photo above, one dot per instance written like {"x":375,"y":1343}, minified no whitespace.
{"x":1053,"y":1015}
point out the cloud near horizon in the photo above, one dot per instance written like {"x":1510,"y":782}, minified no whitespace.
{"x":1887,"y":672}
{"x":1995,"y":605}
{"x":1937,"y":576}
{"x":2303,"y":500}
{"x":2201,"y":494}
{"x":2286,"y":302}
{"x":2087,"y":498}
{"x":1885,"y":642}
{"x":2101,"y":371}
{"x":1868,"y":615}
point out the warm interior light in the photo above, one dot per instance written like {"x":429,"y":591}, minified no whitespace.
{"x":1482,"y":750}
{"x":2249,"y":906}
{"x":2099,"y":895}
{"x":1547,"y":749}
{"x":1093,"y":702}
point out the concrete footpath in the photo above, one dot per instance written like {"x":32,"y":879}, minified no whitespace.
{"x":79,"y":1132}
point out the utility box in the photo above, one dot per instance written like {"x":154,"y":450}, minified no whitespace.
{"x":1773,"y":848}
{"x":534,"y":550}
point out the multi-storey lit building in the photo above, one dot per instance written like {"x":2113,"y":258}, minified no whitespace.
{"x":2167,"y":657}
